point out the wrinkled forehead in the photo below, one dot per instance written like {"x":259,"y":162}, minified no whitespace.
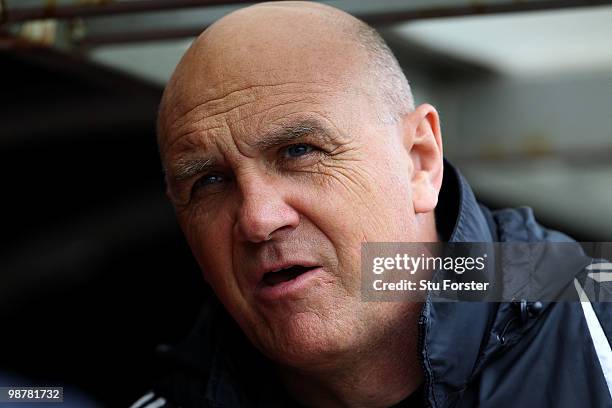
{"x":240,"y":112}
{"x":233,"y":65}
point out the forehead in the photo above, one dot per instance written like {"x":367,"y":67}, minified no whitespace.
{"x":240,"y":111}
{"x":247,"y":70}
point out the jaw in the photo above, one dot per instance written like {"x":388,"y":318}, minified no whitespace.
{"x":309,"y":334}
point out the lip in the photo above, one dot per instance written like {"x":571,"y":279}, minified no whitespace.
{"x":277,"y":266}
{"x":284,"y":290}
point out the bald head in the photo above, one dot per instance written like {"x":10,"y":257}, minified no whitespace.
{"x":288,"y":42}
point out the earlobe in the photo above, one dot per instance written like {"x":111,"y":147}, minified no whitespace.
{"x":424,"y":143}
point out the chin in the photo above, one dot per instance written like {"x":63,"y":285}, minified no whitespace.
{"x":309,"y":340}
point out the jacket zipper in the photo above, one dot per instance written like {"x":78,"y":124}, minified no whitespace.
{"x":421,"y":345}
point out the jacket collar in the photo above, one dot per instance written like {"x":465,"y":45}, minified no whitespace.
{"x":452,"y":333}
{"x":458,"y":208}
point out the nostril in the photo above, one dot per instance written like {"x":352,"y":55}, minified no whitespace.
{"x":254,"y":224}
{"x":265,"y":222}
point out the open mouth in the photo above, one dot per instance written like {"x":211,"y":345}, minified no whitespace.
{"x":286,"y":274}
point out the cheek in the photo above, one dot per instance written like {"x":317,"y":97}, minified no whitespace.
{"x":213,"y":251}
{"x":392,"y":208}
{"x":379,"y":211}
{"x":340,"y":221}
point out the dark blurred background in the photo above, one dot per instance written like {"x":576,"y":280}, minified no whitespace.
{"x":94,"y":272}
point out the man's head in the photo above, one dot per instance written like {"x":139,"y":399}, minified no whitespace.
{"x":289,"y":137}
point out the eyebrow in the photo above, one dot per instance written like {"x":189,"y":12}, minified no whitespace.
{"x":188,"y":168}
{"x":185,"y":169}
{"x":286,"y":134}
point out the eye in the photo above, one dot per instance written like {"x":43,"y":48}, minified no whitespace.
{"x":298,"y":150}
{"x":208,"y":180}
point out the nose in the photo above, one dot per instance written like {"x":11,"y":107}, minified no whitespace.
{"x":264,"y":211}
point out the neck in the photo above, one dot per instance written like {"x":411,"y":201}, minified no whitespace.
{"x":379,"y":374}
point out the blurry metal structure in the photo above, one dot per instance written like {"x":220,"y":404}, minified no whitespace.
{"x":190,"y":17}
{"x":417,"y":9}
{"x":78,"y":9}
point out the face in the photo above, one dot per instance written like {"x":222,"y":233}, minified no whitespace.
{"x":275,"y":187}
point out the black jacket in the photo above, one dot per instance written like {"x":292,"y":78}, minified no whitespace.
{"x":473,"y":353}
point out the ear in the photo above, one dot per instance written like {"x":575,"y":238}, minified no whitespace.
{"x":423,"y":142}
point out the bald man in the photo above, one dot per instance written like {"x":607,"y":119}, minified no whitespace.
{"x":289,"y":137}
